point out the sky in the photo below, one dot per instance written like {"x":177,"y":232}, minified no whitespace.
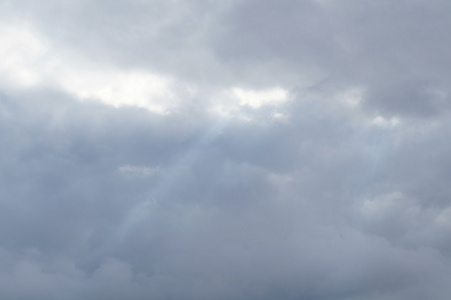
{"x":225,"y":149}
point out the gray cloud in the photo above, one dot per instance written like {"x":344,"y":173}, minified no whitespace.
{"x":340,"y":191}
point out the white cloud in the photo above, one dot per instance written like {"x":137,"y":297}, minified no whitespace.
{"x":257,"y":98}
{"x":243,"y":104}
{"x":21,"y":56}
{"x":141,"y":171}
{"x":381,"y":121}
{"x":29,"y":60}
{"x":117,"y":88}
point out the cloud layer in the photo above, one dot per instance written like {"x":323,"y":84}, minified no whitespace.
{"x":234,"y":149}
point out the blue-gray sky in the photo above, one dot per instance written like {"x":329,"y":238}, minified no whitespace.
{"x":235,"y":149}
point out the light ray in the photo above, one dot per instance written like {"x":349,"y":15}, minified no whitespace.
{"x":170,"y":178}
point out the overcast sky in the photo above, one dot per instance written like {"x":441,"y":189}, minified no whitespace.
{"x":225,"y":149}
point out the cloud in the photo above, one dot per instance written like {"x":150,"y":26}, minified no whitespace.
{"x":243,"y":149}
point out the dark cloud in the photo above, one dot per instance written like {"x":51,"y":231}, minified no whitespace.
{"x":388,"y":47}
{"x":215,"y":221}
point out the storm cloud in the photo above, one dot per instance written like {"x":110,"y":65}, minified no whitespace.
{"x":236,"y":149}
